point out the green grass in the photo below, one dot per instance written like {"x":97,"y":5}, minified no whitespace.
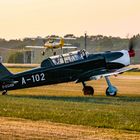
{"x":132,"y":73}
{"x":65,"y":103}
{"x":15,"y":70}
{"x":105,"y":112}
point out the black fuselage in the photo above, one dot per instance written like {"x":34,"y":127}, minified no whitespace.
{"x":48,"y":73}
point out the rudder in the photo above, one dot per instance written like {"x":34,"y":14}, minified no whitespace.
{"x":4,"y":72}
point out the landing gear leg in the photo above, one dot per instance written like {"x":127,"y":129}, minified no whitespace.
{"x":111,"y":90}
{"x":4,"y":92}
{"x":87,"y":90}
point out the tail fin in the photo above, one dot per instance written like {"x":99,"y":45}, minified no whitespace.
{"x":4,"y":72}
{"x":62,"y":42}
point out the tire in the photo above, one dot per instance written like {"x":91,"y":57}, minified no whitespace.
{"x":88,"y":90}
{"x":111,"y":91}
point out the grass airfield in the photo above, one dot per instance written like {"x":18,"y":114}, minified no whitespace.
{"x":61,"y":111}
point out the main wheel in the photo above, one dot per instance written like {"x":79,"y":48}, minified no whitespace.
{"x":111,"y":91}
{"x":88,"y":90}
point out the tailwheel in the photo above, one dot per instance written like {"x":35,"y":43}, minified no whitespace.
{"x":4,"y":92}
{"x":111,"y":91}
{"x":88,"y":90}
{"x":54,"y":53}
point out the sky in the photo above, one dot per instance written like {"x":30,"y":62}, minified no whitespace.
{"x":31,"y":18}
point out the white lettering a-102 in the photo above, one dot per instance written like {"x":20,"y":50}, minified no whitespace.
{"x":38,"y":77}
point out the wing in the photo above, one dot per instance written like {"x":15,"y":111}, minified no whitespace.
{"x":66,"y":44}
{"x":70,"y":47}
{"x":95,"y":75}
{"x":35,"y":47}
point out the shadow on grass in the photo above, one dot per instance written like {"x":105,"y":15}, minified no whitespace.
{"x":96,"y":99}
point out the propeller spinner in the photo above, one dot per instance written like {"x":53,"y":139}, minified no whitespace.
{"x":132,"y":44}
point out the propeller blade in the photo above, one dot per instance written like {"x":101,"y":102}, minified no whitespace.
{"x":131,"y":43}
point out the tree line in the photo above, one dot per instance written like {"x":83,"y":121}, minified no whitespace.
{"x":95,"y":43}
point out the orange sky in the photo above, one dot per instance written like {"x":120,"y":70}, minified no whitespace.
{"x":29,"y":18}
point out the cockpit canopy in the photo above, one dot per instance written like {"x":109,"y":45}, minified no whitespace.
{"x":69,"y":57}
{"x":65,"y":58}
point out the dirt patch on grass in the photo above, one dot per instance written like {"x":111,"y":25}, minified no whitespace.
{"x":25,"y":129}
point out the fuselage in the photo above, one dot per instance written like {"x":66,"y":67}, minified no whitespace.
{"x":53,"y":45}
{"x":68,"y":68}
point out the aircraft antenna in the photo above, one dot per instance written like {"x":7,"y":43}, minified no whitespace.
{"x":85,"y":41}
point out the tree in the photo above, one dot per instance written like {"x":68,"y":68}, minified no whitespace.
{"x":16,"y":58}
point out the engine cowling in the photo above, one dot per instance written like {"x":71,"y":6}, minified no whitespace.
{"x":117,"y":59}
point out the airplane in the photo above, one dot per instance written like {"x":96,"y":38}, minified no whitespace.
{"x":51,"y":44}
{"x":77,"y":66}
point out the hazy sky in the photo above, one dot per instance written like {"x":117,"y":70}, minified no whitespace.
{"x":29,"y":18}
